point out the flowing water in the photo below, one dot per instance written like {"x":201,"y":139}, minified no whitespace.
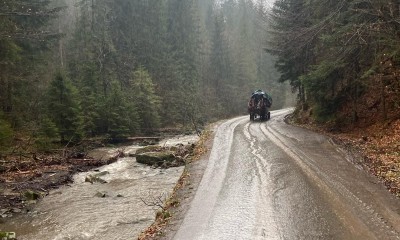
{"x":118,"y":209}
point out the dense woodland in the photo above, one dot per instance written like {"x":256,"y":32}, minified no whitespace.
{"x":343,"y":56}
{"x":76,"y":69}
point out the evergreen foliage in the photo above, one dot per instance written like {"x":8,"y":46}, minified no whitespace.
{"x":118,"y":115}
{"x":129,"y":67}
{"x":6,"y":134}
{"x":46,"y":135}
{"x":146,"y":99}
{"x":63,"y":109}
{"x":331,"y":50}
{"x":24,"y":40}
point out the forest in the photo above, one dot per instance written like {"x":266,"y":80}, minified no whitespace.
{"x":343,"y":57}
{"x":77,"y":69}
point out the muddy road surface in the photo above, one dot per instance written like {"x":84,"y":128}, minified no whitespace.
{"x":271,"y":180}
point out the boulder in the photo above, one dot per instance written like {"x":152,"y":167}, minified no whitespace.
{"x":7,"y":235}
{"x":101,"y":194}
{"x":95,"y":178}
{"x":155,"y":158}
{"x":149,"y":149}
{"x":31,"y":195}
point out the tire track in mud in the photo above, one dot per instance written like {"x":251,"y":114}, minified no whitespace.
{"x":346,"y":204}
{"x":279,"y":214}
{"x":265,"y":181}
{"x":200,"y":211}
{"x":268,"y":227}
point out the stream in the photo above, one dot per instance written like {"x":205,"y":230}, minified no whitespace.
{"x":119,"y":209}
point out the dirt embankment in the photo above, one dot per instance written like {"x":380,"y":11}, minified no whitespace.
{"x":376,"y":147}
{"x":171,"y":216}
{"x":369,"y":122}
{"x":379,"y":146}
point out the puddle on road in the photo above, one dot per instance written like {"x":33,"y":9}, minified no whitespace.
{"x":117,"y":212}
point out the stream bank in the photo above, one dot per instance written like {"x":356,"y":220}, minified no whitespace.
{"x":120,"y":208}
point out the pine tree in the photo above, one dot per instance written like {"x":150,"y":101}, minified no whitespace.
{"x":6,"y":134}
{"x":25,"y":39}
{"x":119,"y":117}
{"x":289,"y":43}
{"x":63,"y":108}
{"x":147,"y":101}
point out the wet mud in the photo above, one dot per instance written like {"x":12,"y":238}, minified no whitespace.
{"x":270,"y":180}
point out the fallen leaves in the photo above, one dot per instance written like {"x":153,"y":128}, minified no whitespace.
{"x":380,"y":146}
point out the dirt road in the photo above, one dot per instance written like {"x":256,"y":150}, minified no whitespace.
{"x":271,"y":180}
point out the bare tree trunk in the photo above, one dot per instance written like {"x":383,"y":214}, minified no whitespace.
{"x":383,"y":98}
{"x":9,"y":97}
{"x":302,"y":97}
{"x":60,"y":47}
{"x":355,"y":106}
{"x":395,"y":9}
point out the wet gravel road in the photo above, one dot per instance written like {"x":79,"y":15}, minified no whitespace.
{"x":271,"y":180}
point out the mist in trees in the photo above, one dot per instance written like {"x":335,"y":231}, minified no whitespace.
{"x":72,"y":69}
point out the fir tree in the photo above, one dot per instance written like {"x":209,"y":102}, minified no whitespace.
{"x":6,"y":134}
{"x":63,"y":108}
{"x":146,"y":99}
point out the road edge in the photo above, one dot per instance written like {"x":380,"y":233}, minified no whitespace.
{"x":180,"y":199}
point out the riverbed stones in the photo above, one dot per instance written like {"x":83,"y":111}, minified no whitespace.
{"x":92,"y":178}
{"x":31,"y":195}
{"x":156,"y":158}
{"x":7,"y":235}
{"x":149,"y":149}
{"x":101,"y":194}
